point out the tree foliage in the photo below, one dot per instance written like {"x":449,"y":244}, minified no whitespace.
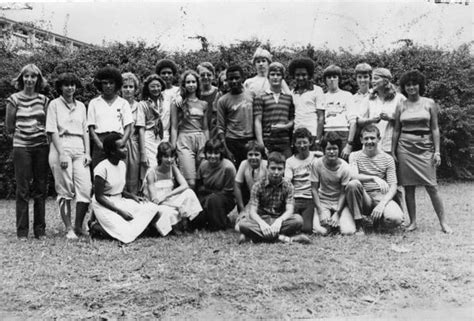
{"x":449,"y":74}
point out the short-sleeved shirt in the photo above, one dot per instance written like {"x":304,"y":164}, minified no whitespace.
{"x":217,"y":179}
{"x":149,"y":114}
{"x":339,"y":110}
{"x":247,"y":174}
{"x":109,"y":118}
{"x":372,"y":107}
{"x":113,"y":175}
{"x":298,"y":171}
{"x":30,"y":119}
{"x":171,"y":93}
{"x":307,"y":105}
{"x":381,"y":165}
{"x":270,"y":199}
{"x":66,"y":119}
{"x":193,"y":119}
{"x":273,"y":113}
{"x":331,"y":182}
{"x":235,"y":115}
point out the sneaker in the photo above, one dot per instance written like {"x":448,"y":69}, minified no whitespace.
{"x":301,"y":238}
{"x":243,"y":239}
{"x":359,"y":231}
{"x":320,"y":230}
{"x":71,"y":235}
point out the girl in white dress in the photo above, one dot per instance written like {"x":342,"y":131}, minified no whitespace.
{"x":124,"y":216}
{"x":167,"y":187}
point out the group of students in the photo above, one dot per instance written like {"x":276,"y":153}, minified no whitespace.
{"x":178,"y":147}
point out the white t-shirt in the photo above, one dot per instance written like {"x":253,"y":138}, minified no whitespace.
{"x":113,"y":175}
{"x":306,"y":106}
{"x":339,"y":110}
{"x":109,"y":118}
{"x":298,"y":171}
{"x":249,"y":175}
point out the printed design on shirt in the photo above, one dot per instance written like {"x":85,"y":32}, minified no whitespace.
{"x":119,"y":115}
{"x":335,"y":108}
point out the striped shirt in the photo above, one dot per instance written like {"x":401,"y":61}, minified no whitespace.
{"x":381,"y":165}
{"x":30,"y":119}
{"x":273,"y":113}
{"x":270,"y":199}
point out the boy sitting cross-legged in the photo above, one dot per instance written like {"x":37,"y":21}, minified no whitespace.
{"x":271,"y":215}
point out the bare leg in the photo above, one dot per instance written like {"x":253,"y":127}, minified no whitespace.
{"x":65,"y":210}
{"x":81,"y":211}
{"x":411,"y":206}
{"x":438,"y":207}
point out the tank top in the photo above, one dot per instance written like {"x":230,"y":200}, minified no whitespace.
{"x":416,"y":118}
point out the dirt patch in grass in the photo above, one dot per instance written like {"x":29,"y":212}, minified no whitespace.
{"x":208,"y":276}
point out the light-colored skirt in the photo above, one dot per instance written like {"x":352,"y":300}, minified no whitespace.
{"x":175,"y":208}
{"x":415,"y":160}
{"x":117,"y":227}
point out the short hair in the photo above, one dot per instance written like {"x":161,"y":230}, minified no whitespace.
{"x":166,"y":63}
{"x":148,"y":80}
{"x":277,"y":158}
{"x":333,"y":139}
{"x":183,"y":81}
{"x":331,"y":71}
{"x":207,"y":65}
{"x":214,"y":145}
{"x":66,"y":78}
{"x":363,"y":68}
{"x":164,"y":149}
{"x":277,"y":66}
{"x":108,"y":73}
{"x":235,"y":68}
{"x":254,"y":145}
{"x":262,"y":53}
{"x":131,"y":76}
{"x":109,"y":143}
{"x":413,"y":76}
{"x":302,"y":133}
{"x":371,"y":128}
{"x":305,"y":63}
{"x":41,"y":82}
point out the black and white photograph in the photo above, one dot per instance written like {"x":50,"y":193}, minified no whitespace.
{"x":237,"y":160}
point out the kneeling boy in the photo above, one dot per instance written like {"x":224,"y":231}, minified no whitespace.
{"x":272,"y":201}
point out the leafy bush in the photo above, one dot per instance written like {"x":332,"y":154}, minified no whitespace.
{"x":449,"y":74}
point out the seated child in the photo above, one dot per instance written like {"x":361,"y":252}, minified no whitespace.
{"x":271,"y":215}
{"x":250,"y":171}
{"x":166,"y":187}
{"x":297,"y":171}
{"x":329,"y":178}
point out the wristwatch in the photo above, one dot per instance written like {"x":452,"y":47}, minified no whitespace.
{"x":350,"y":143}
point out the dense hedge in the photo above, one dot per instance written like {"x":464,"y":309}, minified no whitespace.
{"x":449,"y":73}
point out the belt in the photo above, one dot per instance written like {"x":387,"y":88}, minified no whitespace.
{"x":417,"y":132}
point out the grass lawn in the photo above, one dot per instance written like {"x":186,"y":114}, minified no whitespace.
{"x":207,"y":275}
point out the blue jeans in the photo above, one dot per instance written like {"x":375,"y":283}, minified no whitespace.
{"x":31,"y":173}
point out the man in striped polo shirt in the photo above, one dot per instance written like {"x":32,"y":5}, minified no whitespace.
{"x":375,"y":183}
{"x":274,"y":114}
